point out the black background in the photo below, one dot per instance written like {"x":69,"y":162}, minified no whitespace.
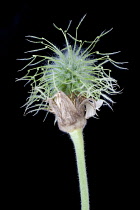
{"x":37,"y":160}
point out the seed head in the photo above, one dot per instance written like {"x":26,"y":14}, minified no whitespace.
{"x":75,"y":75}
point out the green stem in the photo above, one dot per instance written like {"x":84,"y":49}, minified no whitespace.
{"x":77,"y":138}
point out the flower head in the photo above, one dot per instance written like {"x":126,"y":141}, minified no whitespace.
{"x":75,"y":75}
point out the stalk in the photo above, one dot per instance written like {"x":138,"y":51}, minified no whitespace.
{"x":77,"y":139}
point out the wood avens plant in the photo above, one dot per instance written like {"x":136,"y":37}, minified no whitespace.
{"x":72,"y":83}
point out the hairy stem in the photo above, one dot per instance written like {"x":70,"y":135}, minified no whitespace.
{"x":77,"y":138}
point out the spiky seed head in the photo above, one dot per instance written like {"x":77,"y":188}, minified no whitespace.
{"x":76,"y":70}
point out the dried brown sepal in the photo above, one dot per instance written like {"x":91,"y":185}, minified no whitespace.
{"x":72,"y":113}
